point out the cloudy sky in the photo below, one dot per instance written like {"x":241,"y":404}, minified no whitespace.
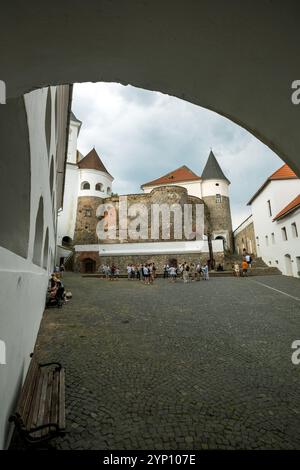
{"x":141,"y":135}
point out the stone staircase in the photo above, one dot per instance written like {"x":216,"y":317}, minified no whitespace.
{"x":69,"y":262}
{"x":259,"y":267}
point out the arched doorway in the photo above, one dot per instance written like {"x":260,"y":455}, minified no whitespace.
{"x":298,"y":265}
{"x":220,"y":237}
{"x":148,"y":59}
{"x":67,"y":241}
{"x":288,"y":265}
{"x":89,"y":266}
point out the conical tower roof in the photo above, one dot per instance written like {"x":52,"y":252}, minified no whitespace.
{"x":92,"y":161}
{"x":212,"y":169}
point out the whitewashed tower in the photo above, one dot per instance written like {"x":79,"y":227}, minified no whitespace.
{"x":215,"y":194}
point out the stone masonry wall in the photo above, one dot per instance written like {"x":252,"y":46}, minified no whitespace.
{"x":241,"y":240}
{"x":162,"y":195}
{"x":220,"y":216}
{"x":160,"y":260}
{"x":86,"y":220}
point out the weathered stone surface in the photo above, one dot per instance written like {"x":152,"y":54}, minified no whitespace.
{"x":160,"y":260}
{"x":242,"y":238}
{"x":220,"y":216}
{"x":86,"y":220}
{"x":163,"y":195}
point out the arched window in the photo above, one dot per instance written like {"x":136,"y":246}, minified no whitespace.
{"x":39,"y":231}
{"x":108,"y":190}
{"x":51,"y":175}
{"x":85,"y":185}
{"x":67,"y":241}
{"x":46,"y":248}
{"x":99,"y":187}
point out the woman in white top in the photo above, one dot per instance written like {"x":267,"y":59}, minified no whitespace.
{"x":172,"y":273}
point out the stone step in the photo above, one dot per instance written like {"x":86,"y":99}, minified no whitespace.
{"x":230,"y":260}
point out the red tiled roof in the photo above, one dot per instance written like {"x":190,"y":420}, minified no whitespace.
{"x":293,"y":205}
{"x":283,"y":173}
{"x":179,"y":175}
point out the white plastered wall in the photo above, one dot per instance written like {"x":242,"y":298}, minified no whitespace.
{"x":273,"y":249}
{"x":23,"y":284}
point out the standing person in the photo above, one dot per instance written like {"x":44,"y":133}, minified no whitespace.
{"x":181,"y":269}
{"x":205,"y":272}
{"x":105,"y":271}
{"x":236,"y":269}
{"x":129,"y":271}
{"x":245,"y":267}
{"x":166,"y":270}
{"x":141,"y":266}
{"x":132,"y":275}
{"x":117,"y":273}
{"x":112,"y":272}
{"x":193,"y":271}
{"x":172,"y":273}
{"x":146,"y":273}
{"x":249,"y":260}
{"x":185,"y":274}
{"x":153,"y":270}
{"x":62,"y":269}
{"x":198,"y":271}
{"x":108,"y":272}
{"x":138,"y":273}
{"x":150,"y":273}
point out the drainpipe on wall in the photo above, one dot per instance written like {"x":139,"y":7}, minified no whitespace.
{"x":211,"y":253}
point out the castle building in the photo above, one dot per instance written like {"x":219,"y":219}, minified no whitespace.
{"x":212,"y":188}
{"x":89,"y":185}
{"x":275,"y":211}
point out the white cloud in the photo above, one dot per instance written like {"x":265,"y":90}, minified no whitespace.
{"x":141,"y":135}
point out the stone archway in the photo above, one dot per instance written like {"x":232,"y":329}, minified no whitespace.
{"x":220,"y":237}
{"x":238,"y":59}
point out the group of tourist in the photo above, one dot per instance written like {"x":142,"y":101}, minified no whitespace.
{"x":142,"y":272}
{"x":187,"y":272}
{"x":245,"y":266}
{"x":111,"y":273}
{"x":195,"y":271}
{"x":147,"y":272}
{"x":56,"y":294}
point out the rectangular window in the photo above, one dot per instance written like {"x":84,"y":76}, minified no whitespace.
{"x":88,"y":212}
{"x":218,"y":198}
{"x":273,"y":238}
{"x":270,"y":208}
{"x":284,"y":234}
{"x":294,"y":230}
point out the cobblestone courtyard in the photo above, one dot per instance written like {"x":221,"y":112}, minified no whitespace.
{"x":178,"y":366}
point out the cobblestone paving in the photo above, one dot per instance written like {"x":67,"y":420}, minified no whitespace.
{"x":204,"y":365}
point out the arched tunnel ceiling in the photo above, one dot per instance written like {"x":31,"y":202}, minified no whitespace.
{"x":236,"y":58}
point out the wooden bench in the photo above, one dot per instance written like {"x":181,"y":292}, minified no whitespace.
{"x":40,"y":412}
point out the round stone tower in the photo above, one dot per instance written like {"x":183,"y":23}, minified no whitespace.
{"x":94,"y":186}
{"x":215,"y":194}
